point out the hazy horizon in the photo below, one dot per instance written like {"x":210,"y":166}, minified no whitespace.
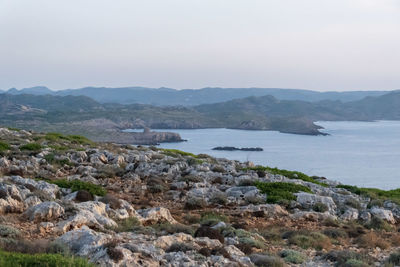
{"x":163,"y":87}
{"x":320,"y":45}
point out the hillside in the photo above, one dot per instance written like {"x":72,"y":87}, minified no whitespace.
{"x":103,"y":122}
{"x":76,"y":201}
{"x":193,"y":97}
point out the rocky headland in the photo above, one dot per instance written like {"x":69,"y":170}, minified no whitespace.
{"x":124,"y":205}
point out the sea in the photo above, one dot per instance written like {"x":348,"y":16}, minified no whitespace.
{"x":365,"y":154}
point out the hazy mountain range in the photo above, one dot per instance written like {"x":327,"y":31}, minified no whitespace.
{"x":193,"y":97}
{"x":81,"y":114}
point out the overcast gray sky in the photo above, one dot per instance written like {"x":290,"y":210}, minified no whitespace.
{"x":312,"y":44}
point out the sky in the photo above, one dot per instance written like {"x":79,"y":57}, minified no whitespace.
{"x":311,"y":44}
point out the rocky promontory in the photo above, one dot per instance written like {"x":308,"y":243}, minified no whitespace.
{"x":124,"y":205}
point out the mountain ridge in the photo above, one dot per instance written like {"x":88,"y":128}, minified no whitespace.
{"x":191,"y":97}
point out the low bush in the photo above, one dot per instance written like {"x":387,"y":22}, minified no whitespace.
{"x":127,"y":225}
{"x":378,"y":224}
{"x":374,"y":193}
{"x":293,"y":256}
{"x":111,"y":200}
{"x":205,"y":231}
{"x":8,"y":231}
{"x":177,"y":153}
{"x":78,"y":139}
{"x":212,"y":218}
{"x":245,"y":248}
{"x":372,"y":240}
{"x":394,"y":259}
{"x":218,"y":168}
{"x":348,"y":258}
{"x":31,"y":147}
{"x":168,"y":228}
{"x":115,"y":254}
{"x":4,"y":146}
{"x":14,"y":259}
{"x":83,"y":196}
{"x":353,"y":203}
{"x":278,"y":191}
{"x":176,"y":247}
{"x":219,"y":198}
{"x":267,"y":260}
{"x":272,"y":234}
{"x":335,"y":233}
{"x":195,"y":203}
{"x":51,"y":158}
{"x":307,"y":239}
{"x":157,"y":185}
{"x":76,"y":185}
{"x":354,"y":229}
{"x":286,"y":173}
{"x":320,"y":207}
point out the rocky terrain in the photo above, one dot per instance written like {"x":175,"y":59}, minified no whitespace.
{"x":123,"y":205}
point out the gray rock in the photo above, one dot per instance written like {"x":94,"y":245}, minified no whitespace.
{"x":383,"y":214}
{"x":307,"y":201}
{"x":351,"y":214}
{"x":155,"y":215}
{"x":45,"y":211}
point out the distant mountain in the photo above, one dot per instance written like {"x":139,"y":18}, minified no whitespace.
{"x":250,"y":113}
{"x":38,"y":90}
{"x":193,"y":97}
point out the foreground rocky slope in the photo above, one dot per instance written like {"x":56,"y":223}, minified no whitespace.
{"x":120,"y":205}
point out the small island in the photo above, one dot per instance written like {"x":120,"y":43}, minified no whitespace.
{"x":232,"y":148}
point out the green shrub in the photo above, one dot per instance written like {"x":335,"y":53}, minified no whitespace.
{"x":348,"y":258}
{"x":278,"y":191}
{"x":378,"y":224}
{"x":76,"y":185}
{"x":374,"y":193}
{"x":211,"y":218}
{"x":79,"y":139}
{"x":51,"y":158}
{"x":31,"y":147}
{"x":176,"y":247}
{"x":320,"y":207}
{"x":4,"y":146}
{"x":55,"y":137}
{"x":267,"y":260}
{"x":175,"y":153}
{"x":355,"y":263}
{"x":394,"y":259}
{"x":173,"y":228}
{"x":8,"y":231}
{"x":195,"y":203}
{"x":306,"y":239}
{"x":14,"y":129}
{"x":335,"y":233}
{"x":293,"y":256}
{"x":127,"y":225}
{"x":219,"y":198}
{"x":13,"y":259}
{"x":353,"y":203}
{"x":59,"y":148}
{"x":286,"y":173}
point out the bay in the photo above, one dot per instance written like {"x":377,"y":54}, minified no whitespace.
{"x":365,"y":154}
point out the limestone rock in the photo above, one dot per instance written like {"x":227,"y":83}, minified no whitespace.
{"x":45,"y":211}
{"x":307,"y":201}
{"x":155,"y":215}
{"x":383,"y":214}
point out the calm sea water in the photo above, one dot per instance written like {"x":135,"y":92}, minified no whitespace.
{"x":357,"y":153}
